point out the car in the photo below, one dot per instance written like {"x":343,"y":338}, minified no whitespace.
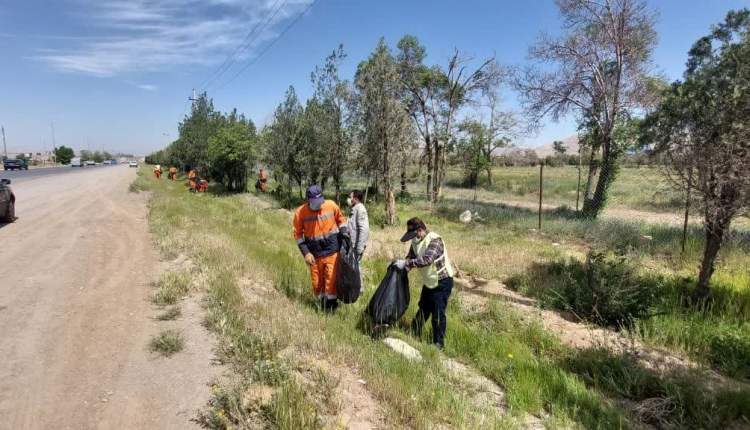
{"x":133,"y":164}
{"x":90,"y":163}
{"x":7,"y":202}
{"x":15,"y":164}
{"x":76,"y":162}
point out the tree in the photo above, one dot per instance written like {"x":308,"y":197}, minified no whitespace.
{"x":283,"y":143}
{"x":231,"y":150}
{"x":97,"y":157}
{"x":386,"y":131}
{"x":330,"y":114}
{"x":703,"y":126}
{"x":86,"y":155}
{"x":434,"y":96}
{"x":195,"y":130}
{"x":600,"y":71}
{"x":559,"y":147}
{"x":63,"y":154}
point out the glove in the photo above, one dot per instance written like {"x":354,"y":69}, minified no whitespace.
{"x":400,"y":264}
{"x":309,"y":259}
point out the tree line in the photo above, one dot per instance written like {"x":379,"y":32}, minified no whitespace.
{"x":400,"y":113}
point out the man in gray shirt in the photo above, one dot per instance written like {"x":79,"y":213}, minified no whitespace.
{"x":359,"y":224}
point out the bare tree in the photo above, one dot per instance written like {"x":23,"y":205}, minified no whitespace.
{"x":703,"y":127}
{"x":434,"y":97}
{"x":600,"y":72}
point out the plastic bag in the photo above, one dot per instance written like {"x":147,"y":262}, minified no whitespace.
{"x":348,"y":281}
{"x":391,"y":299}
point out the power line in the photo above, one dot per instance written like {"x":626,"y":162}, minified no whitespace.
{"x":246,"y":42}
{"x":255,"y":60}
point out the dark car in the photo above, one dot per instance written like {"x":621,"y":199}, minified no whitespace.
{"x":15,"y":164}
{"x":7,"y":202}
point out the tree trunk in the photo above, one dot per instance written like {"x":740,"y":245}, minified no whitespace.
{"x":390,"y":204}
{"x":489,"y":175}
{"x":428,"y":151}
{"x":593,"y":207}
{"x":714,"y":236}
{"x":403,"y":179}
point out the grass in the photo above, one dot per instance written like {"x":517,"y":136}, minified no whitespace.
{"x":642,"y":188}
{"x":167,"y":343}
{"x":171,"y":287}
{"x":232,"y":240}
{"x":170,"y":314}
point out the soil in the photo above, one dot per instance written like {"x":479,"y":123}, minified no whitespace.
{"x":74,"y":313}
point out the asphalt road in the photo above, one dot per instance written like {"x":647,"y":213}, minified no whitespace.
{"x":24,"y":175}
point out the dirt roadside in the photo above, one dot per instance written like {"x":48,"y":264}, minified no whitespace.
{"x":75,"y":274}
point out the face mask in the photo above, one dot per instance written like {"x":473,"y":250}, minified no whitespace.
{"x":349,"y":201}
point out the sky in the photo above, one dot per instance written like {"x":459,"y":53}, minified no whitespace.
{"x":116,"y":75}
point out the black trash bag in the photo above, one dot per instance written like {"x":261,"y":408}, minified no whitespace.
{"x":391,"y":299}
{"x":348,"y":281}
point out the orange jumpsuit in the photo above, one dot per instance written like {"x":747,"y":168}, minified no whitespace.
{"x":317,"y":232}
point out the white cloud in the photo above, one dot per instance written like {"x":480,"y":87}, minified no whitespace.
{"x":153,"y":35}
{"x":147,"y":87}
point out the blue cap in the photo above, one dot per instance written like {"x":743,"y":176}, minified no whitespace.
{"x":315,"y":197}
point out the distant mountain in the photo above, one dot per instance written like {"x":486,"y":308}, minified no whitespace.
{"x":570,"y":142}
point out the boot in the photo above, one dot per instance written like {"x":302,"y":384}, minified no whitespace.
{"x":330,"y":305}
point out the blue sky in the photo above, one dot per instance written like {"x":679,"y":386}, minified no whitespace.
{"x":116,"y":74}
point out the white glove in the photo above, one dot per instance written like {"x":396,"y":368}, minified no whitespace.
{"x":400,"y":264}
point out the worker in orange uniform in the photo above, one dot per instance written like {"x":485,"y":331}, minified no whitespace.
{"x":157,"y":171}
{"x":172,"y":173}
{"x":318,"y":227}
{"x":192,"y":175}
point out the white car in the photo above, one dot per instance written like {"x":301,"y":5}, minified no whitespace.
{"x":133,"y":164}
{"x":90,"y":163}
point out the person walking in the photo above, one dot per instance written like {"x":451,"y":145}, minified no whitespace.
{"x":157,"y":171}
{"x":359,"y":223}
{"x":428,"y":254}
{"x":317,"y":227}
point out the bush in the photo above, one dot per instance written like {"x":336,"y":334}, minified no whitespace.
{"x":604,"y":290}
{"x":729,"y":349}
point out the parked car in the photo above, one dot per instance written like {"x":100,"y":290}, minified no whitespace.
{"x":76,"y":162}
{"x":133,"y":164}
{"x":7,"y":202}
{"x":90,"y":163}
{"x":15,"y":164}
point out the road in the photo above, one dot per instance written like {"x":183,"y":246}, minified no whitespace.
{"x":25,"y":175}
{"x":75,"y":274}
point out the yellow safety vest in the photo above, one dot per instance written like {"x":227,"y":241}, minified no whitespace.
{"x":430,"y":274}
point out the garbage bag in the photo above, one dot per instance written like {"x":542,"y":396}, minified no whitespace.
{"x":348,"y":281}
{"x":391,"y":299}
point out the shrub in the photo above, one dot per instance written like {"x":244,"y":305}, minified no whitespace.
{"x":604,"y":290}
{"x":729,"y":349}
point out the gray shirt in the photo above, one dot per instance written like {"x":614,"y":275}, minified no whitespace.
{"x":359,"y":228}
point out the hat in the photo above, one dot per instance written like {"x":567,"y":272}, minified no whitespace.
{"x":315,"y":197}
{"x":412,"y":226}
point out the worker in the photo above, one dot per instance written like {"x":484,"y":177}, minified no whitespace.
{"x":359,"y":224}
{"x":427,"y":253}
{"x":172,"y":173}
{"x":192,"y":175}
{"x":318,"y":225}
{"x":262,"y":183}
{"x":157,"y":171}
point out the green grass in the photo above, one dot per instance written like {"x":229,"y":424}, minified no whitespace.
{"x":229,"y":238}
{"x":167,"y":343}
{"x":642,"y":188}
{"x":171,"y":287}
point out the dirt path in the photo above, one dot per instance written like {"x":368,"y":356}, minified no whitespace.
{"x":74,"y":316}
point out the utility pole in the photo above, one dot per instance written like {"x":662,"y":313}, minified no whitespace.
{"x":5,"y":148}
{"x":52,"y":125}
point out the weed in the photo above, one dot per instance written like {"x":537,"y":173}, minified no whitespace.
{"x":171,"y":287}
{"x":167,"y":342}
{"x":170,"y":314}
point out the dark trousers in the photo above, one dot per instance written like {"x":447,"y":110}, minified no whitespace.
{"x":432,"y":303}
